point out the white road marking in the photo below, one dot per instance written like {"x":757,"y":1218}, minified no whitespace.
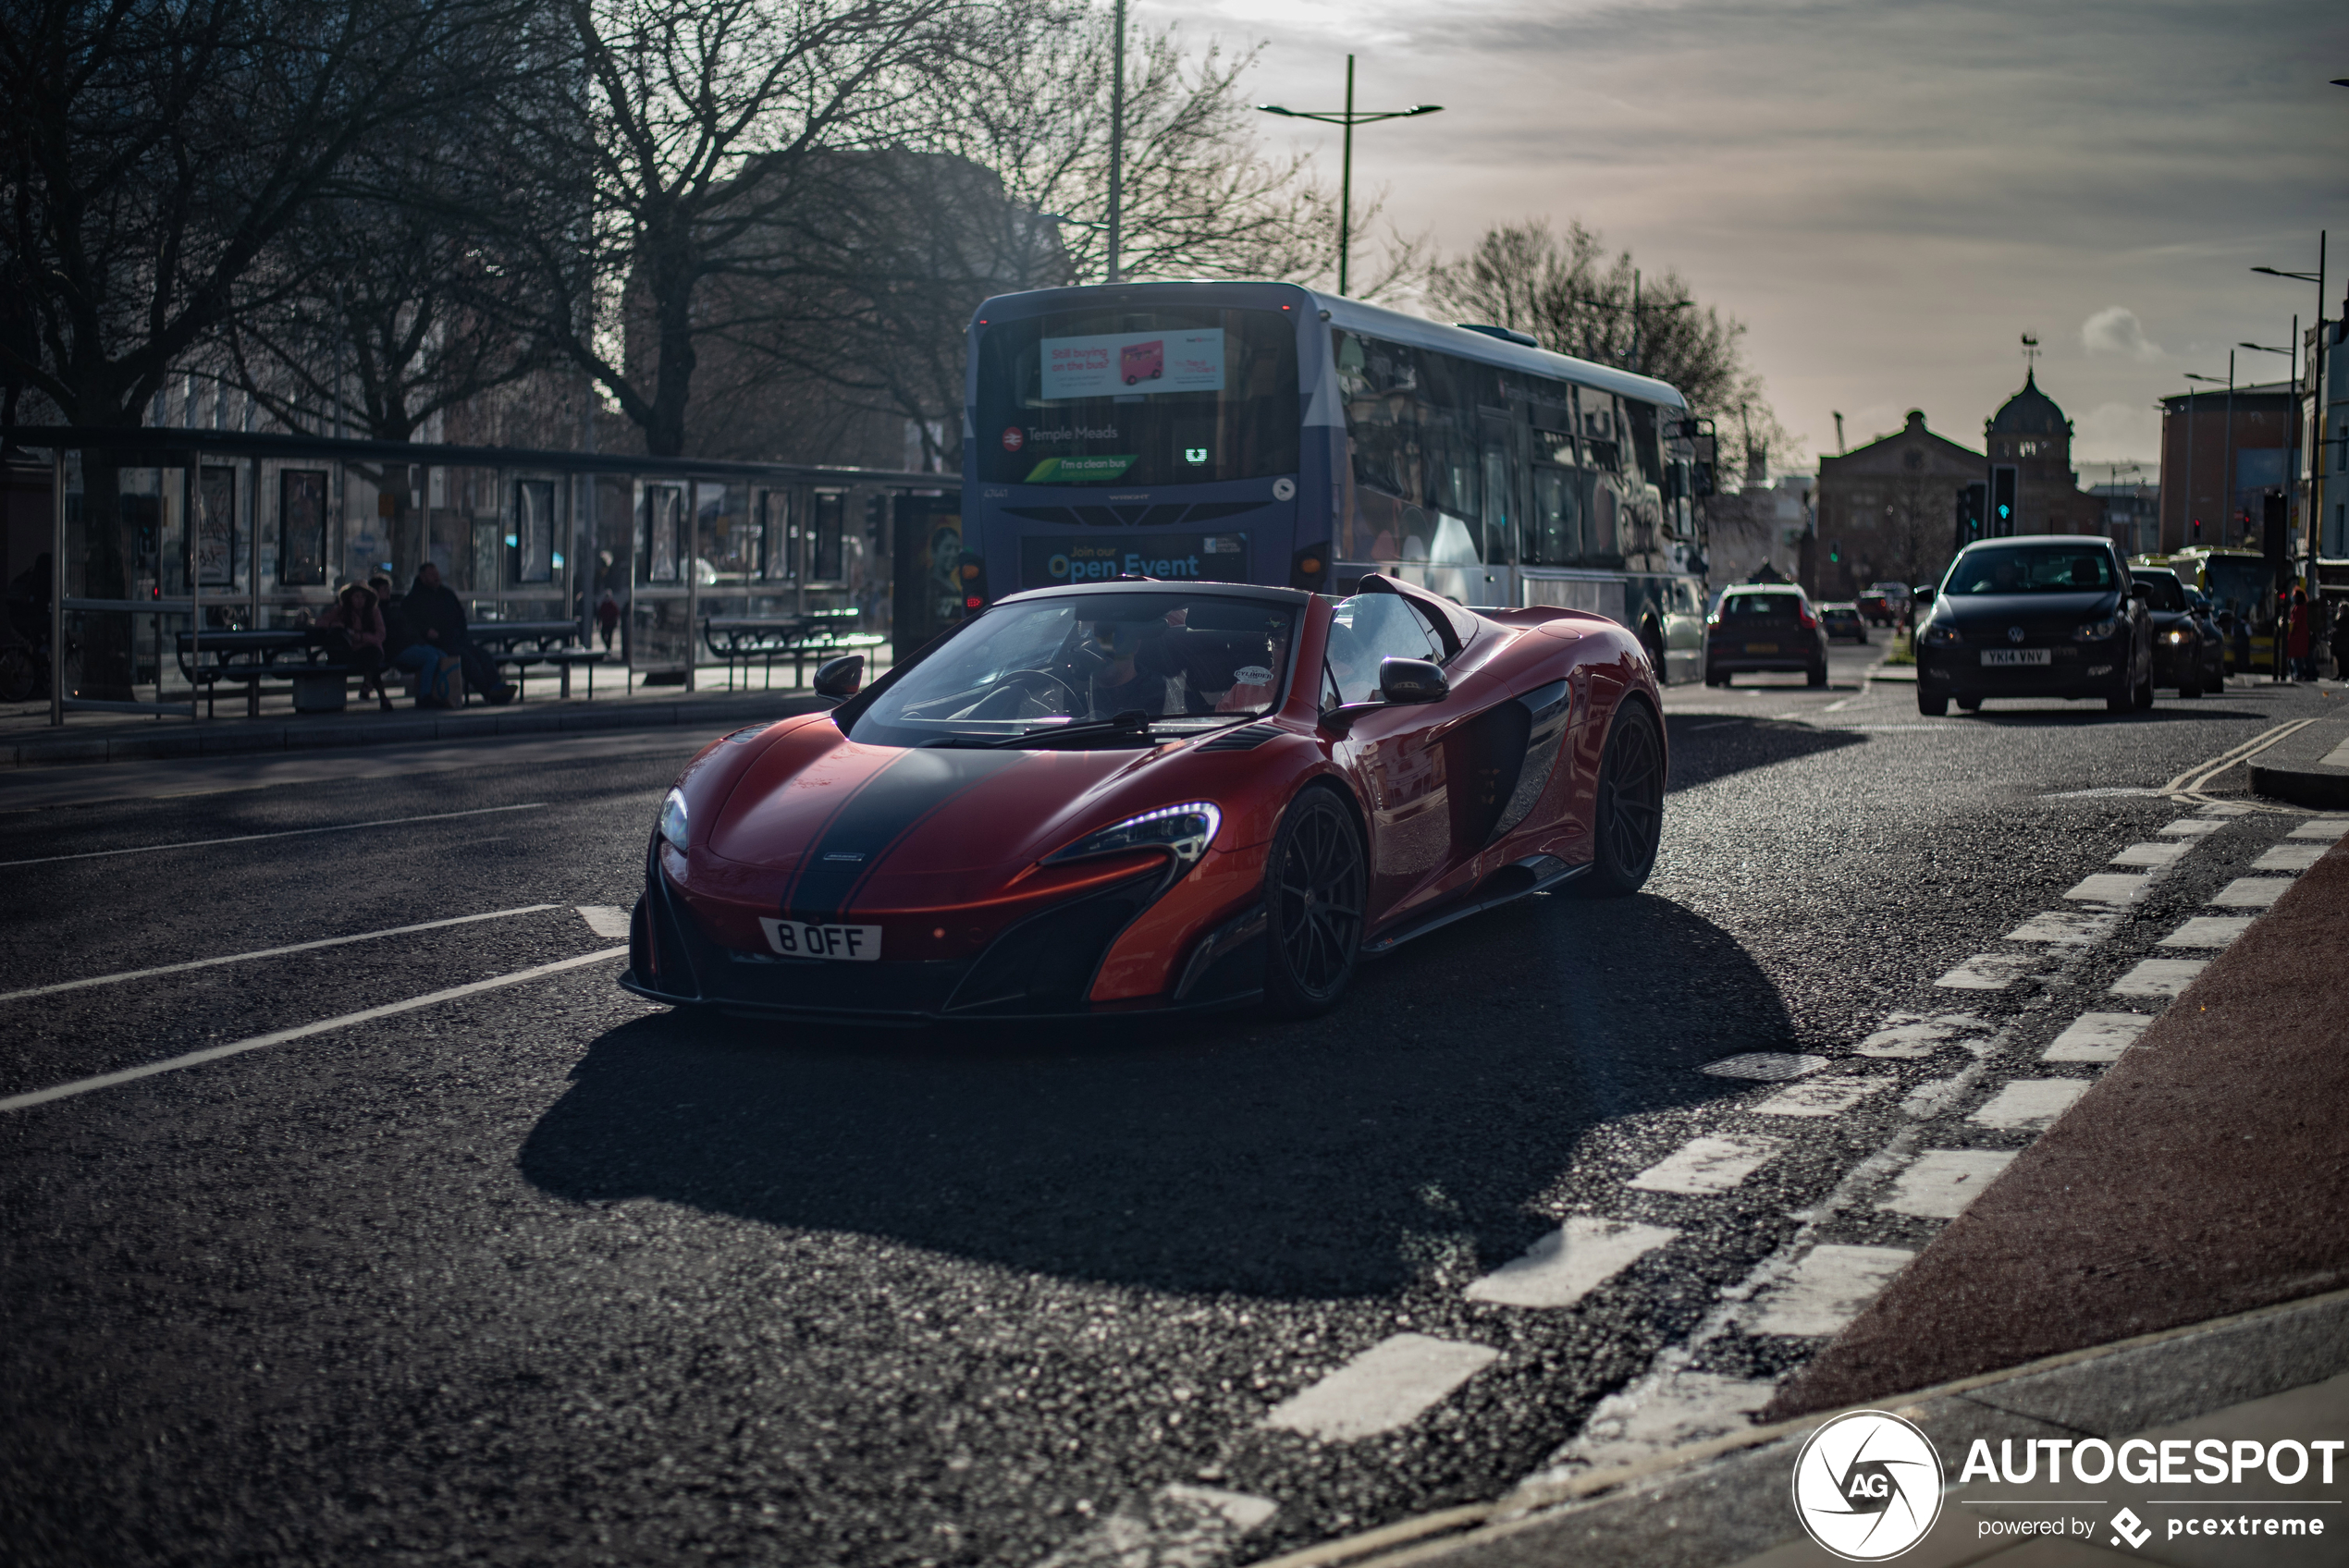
{"x":1771,"y":1067}
{"x":1825,"y":1290}
{"x":1685,"y":1408}
{"x":2224,"y":808}
{"x":1933,"y":1097}
{"x":1821,"y":1097}
{"x":2202,"y":773}
{"x":1570,"y":1263}
{"x":1909,"y":1035}
{"x":2159,"y":978}
{"x":1707,"y":1164}
{"x":2207,"y":931}
{"x":608,"y":921}
{"x":2327,"y":830}
{"x":237,"y":1047}
{"x":2150,"y":854}
{"x":2194,"y":826}
{"x":2250,"y":892}
{"x":2110,"y":887}
{"x":2065,"y":927}
{"x":2032,"y":1104}
{"x":1989,"y":972}
{"x":287,"y":833}
{"x":268,"y":952}
{"x":2096,"y":1036}
{"x":1175,"y":1527}
{"x":2290,"y":857}
{"x":1385,"y":1387}
{"x":1938,"y":1185}
{"x":1724,"y":724}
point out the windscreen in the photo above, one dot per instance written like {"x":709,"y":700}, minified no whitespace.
{"x":2163,"y":591}
{"x":1168,"y":395}
{"x":2240,"y":583}
{"x":1186,"y":662}
{"x":1754,"y":606}
{"x":2032,"y":569}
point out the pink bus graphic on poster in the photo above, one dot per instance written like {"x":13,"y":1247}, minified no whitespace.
{"x":1124,"y":364}
{"x":1142,"y":361}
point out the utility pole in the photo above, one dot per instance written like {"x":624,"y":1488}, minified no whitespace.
{"x":1350,"y":118}
{"x":1116,"y":129}
{"x":2316,"y":378}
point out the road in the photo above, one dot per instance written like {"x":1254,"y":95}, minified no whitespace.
{"x":537,"y":1273}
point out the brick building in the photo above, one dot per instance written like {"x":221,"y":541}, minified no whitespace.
{"x":2223,"y":454}
{"x":2030,"y":433}
{"x":1889,"y":509}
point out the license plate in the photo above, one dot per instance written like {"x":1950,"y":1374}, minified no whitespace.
{"x":796,"y":939}
{"x":2017,"y":656}
{"x":1761,"y":647}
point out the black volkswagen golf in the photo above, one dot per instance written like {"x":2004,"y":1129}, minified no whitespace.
{"x":2050,"y":615}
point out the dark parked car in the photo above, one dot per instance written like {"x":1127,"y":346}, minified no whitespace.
{"x":2050,"y":615}
{"x":1764,"y":629}
{"x":1843,"y":620}
{"x":2178,"y":659}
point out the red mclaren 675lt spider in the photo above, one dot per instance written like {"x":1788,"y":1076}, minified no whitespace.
{"x":1139,"y":795}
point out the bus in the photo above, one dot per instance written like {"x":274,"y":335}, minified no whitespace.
{"x":1265,"y":433}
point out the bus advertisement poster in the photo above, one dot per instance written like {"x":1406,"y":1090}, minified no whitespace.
{"x":1129,"y":361}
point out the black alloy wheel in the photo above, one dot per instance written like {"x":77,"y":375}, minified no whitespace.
{"x":1315,"y":886}
{"x":1629,"y":824}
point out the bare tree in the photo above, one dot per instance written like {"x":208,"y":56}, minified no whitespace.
{"x":682,"y":145}
{"x":156,"y":152}
{"x":1919,"y":522}
{"x":1567,"y":292}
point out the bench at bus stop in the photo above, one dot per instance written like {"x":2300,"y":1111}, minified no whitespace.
{"x":524,"y":646}
{"x":749,"y":640}
{"x":252,"y":657}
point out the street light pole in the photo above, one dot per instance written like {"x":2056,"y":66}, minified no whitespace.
{"x":1116,"y":129}
{"x":2316,"y":380}
{"x":1349,"y":118}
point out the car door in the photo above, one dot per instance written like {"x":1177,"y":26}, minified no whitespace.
{"x":1401,"y":764}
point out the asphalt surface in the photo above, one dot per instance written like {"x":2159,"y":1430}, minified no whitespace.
{"x":542,"y":1274}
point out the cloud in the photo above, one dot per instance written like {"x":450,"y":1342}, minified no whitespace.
{"x":2113,"y":432}
{"x":2116,"y":330}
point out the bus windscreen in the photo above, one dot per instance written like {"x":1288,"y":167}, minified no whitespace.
{"x":1161,"y":396}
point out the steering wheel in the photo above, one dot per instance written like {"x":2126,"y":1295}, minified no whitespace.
{"x":1018,"y":682}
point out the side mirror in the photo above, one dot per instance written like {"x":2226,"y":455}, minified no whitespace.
{"x":1411,"y":680}
{"x":1923,"y":594}
{"x":2139,"y":592}
{"x":841,"y":679}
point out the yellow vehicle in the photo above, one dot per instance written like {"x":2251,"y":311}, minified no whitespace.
{"x":2234,"y":580}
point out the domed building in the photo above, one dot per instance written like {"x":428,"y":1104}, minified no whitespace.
{"x":2030,"y":433}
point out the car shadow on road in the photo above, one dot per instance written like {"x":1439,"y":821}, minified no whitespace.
{"x":1226,"y":1154}
{"x":1707,"y":746}
{"x":2092,"y":713}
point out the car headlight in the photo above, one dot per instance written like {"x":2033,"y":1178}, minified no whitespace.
{"x":672,"y":820}
{"x":2096,"y":631}
{"x":1941,"y":635}
{"x":2175,"y":636}
{"x":1184,"y":831}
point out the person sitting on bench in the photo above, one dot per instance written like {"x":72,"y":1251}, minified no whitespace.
{"x":410,"y":652}
{"x":436,"y":614}
{"x":352,"y":631}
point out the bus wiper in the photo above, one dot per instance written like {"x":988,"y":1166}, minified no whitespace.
{"x":1133,"y":721}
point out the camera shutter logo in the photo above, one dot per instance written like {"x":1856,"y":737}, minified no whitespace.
{"x":1867,"y":1486}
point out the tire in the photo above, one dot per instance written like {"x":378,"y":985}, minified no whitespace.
{"x":2190,"y":686}
{"x":2143,"y":694}
{"x":1714,"y":678}
{"x":1971,"y":704}
{"x":1628,"y":824}
{"x":1818,"y":677}
{"x":1316,"y":883}
{"x":1933,"y":707}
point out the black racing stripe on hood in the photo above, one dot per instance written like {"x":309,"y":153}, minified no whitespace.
{"x":914,"y":786}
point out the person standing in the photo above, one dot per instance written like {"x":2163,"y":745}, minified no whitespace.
{"x":2296,"y":639}
{"x":437,"y":615}
{"x":607,"y":617}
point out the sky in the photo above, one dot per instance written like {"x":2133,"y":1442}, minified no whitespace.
{"x":1888,"y":194}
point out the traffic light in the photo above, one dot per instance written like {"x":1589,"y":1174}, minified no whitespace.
{"x":1972,"y":500}
{"x":2002,"y":479}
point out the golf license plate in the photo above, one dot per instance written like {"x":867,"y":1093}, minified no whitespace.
{"x":798,"y":938}
{"x":1761,"y":647}
{"x":2017,"y":656}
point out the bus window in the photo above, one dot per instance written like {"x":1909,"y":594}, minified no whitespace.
{"x":1601,"y":432}
{"x":1554,"y":533}
{"x":1171,"y":395}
